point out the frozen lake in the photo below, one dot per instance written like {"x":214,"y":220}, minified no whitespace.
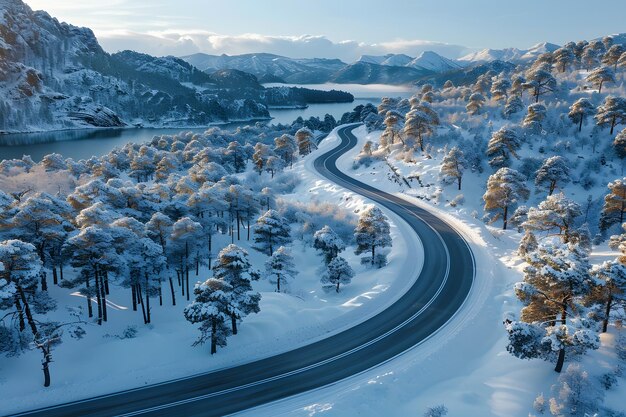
{"x":84,"y":143}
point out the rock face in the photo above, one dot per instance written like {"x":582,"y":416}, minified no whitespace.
{"x":54,"y":75}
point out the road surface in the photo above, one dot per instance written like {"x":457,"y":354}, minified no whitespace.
{"x":440,"y":290}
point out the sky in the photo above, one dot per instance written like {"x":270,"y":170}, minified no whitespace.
{"x":342,"y":29}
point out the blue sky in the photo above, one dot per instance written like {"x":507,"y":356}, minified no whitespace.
{"x":336,"y":28}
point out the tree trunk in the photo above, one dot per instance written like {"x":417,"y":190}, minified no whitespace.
{"x":249,"y":226}
{"x":506,"y":213}
{"x":143,"y":306}
{"x":233,"y":320}
{"x":103,"y":294}
{"x":160,"y":294}
{"x":337,"y":288}
{"x":20,"y":312}
{"x":98,"y":297}
{"x":373,"y":254}
{"x":459,"y":178}
{"x":238,"y":227}
{"x":560,"y":361}
{"x":612,"y":124}
{"x":173,"y":293}
{"x":55,"y":278}
{"x":187,"y":280}
{"x":278,"y":283}
{"x":552,"y":187}
{"x":600,"y":89}
{"x":213,"y":336}
{"x":61,"y":270}
{"x":133,"y":293}
{"x":106,"y":282}
{"x":33,"y":327}
{"x":89,"y":308}
{"x":580,"y":124}
{"x":147,"y":299}
{"x":607,"y":312}
{"x":44,"y":281}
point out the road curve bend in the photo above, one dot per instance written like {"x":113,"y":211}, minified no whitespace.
{"x":438,"y":293}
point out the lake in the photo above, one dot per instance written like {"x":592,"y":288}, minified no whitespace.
{"x":84,"y":143}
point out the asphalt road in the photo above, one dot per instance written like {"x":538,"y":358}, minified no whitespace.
{"x":440,"y":290}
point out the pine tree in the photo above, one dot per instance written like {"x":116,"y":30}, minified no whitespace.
{"x":614,"y":204}
{"x":540,"y":81}
{"x":20,"y":267}
{"x":453,"y":165}
{"x":536,"y":114}
{"x":329,"y":243}
{"x":500,"y":89}
{"x":601,"y":75}
{"x":476,"y":102}
{"x":280,"y":268}
{"x":612,"y":55}
{"x":554,"y":171}
{"x":619,"y":144}
{"x":563,"y":58}
{"x":304,"y":138}
{"x":233,"y":267}
{"x":416,"y":126}
{"x":555,"y":212}
{"x":505,"y":188}
{"x":372,"y":232}
{"x":271,"y":230}
{"x":513,"y":105}
{"x":286,"y":148}
{"x":393,"y":129}
{"x":186,"y":243}
{"x":612,"y":112}
{"x":610,"y":281}
{"x":260,"y":157}
{"x":210,"y":309}
{"x":576,"y":394}
{"x":580,"y":110}
{"x":527,"y":244}
{"x":338,"y":272}
{"x":504,"y":143}
{"x":555,"y":281}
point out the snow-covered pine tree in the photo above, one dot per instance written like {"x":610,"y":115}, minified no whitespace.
{"x":533,"y":121}
{"x":514,"y":104}
{"x":563,"y":58}
{"x":500,"y":89}
{"x":393,"y":129}
{"x":338,"y":272}
{"x":286,"y":148}
{"x":614,"y":205}
{"x":555,"y":212}
{"x":372,"y":232}
{"x":612,"y":55}
{"x":601,"y":75}
{"x":576,"y":394}
{"x":304,"y":139}
{"x":540,"y":81}
{"x":504,"y":143}
{"x":579,"y":111}
{"x":210,"y":309}
{"x":527,"y":244}
{"x":328,"y":242}
{"x":553,"y":172}
{"x":279,"y":268}
{"x":261,"y":154}
{"x":555,"y":282}
{"x":619,"y":144}
{"x":271,"y":230}
{"x":612,"y":112}
{"x":505,"y":189}
{"x":186,"y":243}
{"x":476,"y":102}
{"x":453,"y":165}
{"x":233,"y":267}
{"x":610,"y":288}
{"x":235,"y":156}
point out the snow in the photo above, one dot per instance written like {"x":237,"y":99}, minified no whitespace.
{"x":104,"y":362}
{"x":465,"y":365}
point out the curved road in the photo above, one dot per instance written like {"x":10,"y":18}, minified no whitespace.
{"x":440,"y":290}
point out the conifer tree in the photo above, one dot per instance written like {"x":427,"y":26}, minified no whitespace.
{"x":279,"y":268}
{"x":505,"y":189}
{"x":580,"y":110}
{"x":453,"y":165}
{"x":270,"y":231}
{"x":372,"y":232}
{"x":504,"y":143}
{"x":554,"y":171}
{"x":601,"y":75}
{"x":614,"y":204}
{"x":329,"y":243}
{"x":338,"y":272}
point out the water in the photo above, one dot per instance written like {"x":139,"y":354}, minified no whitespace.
{"x":82,"y":144}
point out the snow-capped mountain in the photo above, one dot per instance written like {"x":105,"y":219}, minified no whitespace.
{"x":302,"y":71}
{"x":54,"y":75}
{"x":428,"y":60}
{"x":509,"y":54}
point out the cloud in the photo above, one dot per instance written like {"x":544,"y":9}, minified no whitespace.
{"x":179,"y":43}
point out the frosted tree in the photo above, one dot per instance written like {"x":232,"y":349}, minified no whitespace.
{"x":527,"y":244}
{"x":280,"y":268}
{"x":338,"y":272}
{"x":612,"y":55}
{"x":304,"y":139}
{"x":576,"y":394}
{"x":564,"y":58}
{"x":159,"y":229}
{"x":19,"y":269}
{"x":233,"y":267}
{"x":517,"y":86}
{"x":610,"y":288}
{"x":329,"y":243}
{"x":505,"y":189}
{"x":601,"y":75}
{"x":53,"y":162}
{"x":614,"y":204}
{"x":553,"y":172}
{"x":235,"y":156}
{"x":513,"y":105}
{"x":372,"y":232}
{"x":619,"y":144}
{"x":453,"y":165}
{"x":260,"y":157}
{"x":556,"y":212}
{"x":393,"y":129}
{"x":210,"y":309}
{"x":540,"y":81}
{"x":186,"y":242}
{"x":590,"y":57}
{"x":271,"y":230}
{"x":555,"y":281}
{"x":476,"y":102}
{"x":612,"y":112}
{"x":286,"y":148}
{"x":500,"y":89}
{"x":579,"y":111}
{"x":534,"y":118}
{"x":504,"y":143}
{"x":416,"y":126}
{"x":621,"y":62}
